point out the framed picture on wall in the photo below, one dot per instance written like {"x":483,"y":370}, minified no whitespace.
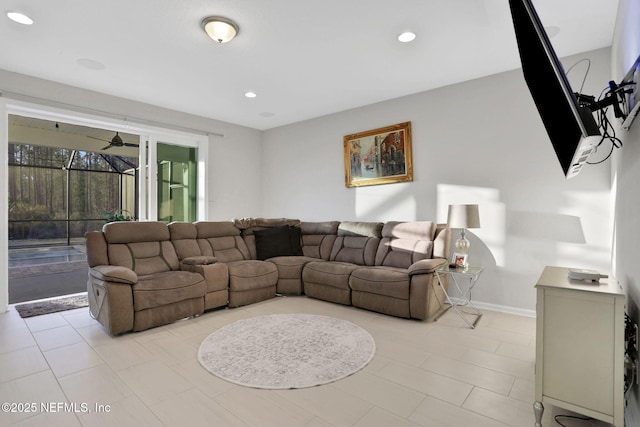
{"x":378,"y":156}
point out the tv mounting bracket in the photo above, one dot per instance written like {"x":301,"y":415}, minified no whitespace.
{"x":613,"y":98}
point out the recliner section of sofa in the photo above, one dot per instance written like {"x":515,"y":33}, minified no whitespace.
{"x":401,"y":281}
{"x":134,"y":278}
{"x":145,"y":274}
{"x":250,"y":280}
{"x":355,"y":245}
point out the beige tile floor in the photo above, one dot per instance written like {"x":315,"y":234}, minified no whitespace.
{"x":429,"y":374}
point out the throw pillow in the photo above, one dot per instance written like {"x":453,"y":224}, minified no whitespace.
{"x":295,"y":237}
{"x":284,"y":240}
{"x":272,"y":242}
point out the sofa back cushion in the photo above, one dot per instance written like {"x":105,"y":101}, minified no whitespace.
{"x":404,"y":243}
{"x":357,"y":242}
{"x":318,"y":238}
{"x":96,"y":248}
{"x":144,"y":247}
{"x":183,"y":237}
{"x":442,"y":241}
{"x":222,"y":240}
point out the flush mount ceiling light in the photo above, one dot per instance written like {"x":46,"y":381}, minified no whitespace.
{"x":20,"y":18}
{"x":220,"y":29}
{"x":407,"y":37}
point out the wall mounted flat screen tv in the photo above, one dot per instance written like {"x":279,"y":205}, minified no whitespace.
{"x":571,"y":127}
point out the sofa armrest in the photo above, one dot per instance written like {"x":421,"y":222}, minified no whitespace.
{"x":425,"y":266}
{"x":199,"y":260}
{"x":114,"y":273}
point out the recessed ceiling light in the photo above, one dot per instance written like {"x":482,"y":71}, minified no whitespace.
{"x":250,"y":94}
{"x":407,"y":37}
{"x":20,"y":18}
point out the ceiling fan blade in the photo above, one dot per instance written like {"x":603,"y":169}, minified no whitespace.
{"x":107,"y":147}
{"x":99,"y":139}
{"x":126,"y":144}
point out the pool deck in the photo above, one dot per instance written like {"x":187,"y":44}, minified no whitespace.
{"x":40,"y":281}
{"x":46,"y":269}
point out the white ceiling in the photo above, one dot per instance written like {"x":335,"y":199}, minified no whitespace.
{"x":304,"y":58}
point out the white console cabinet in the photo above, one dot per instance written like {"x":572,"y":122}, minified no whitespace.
{"x":580,"y":346}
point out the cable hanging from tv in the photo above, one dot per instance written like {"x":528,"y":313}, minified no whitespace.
{"x":614,"y":96}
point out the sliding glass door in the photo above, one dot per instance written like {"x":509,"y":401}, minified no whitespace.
{"x":177,"y":182}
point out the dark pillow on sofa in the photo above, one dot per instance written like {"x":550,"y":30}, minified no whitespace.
{"x":295,"y":237}
{"x":277,"y":241}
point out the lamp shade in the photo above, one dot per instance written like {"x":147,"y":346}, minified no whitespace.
{"x":220,"y":29}
{"x":463,"y":216}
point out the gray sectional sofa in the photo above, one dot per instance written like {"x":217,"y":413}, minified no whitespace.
{"x":146,"y":274}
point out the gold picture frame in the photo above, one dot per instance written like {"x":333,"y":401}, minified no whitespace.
{"x":378,"y":156}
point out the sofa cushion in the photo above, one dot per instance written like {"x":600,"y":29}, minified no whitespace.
{"x":183,"y":237}
{"x":207,"y":229}
{"x":277,"y":241}
{"x":360,"y":228}
{"x":144,"y":257}
{"x":167,"y":287}
{"x":318,"y":238}
{"x":221,"y":239}
{"x":199,"y":260}
{"x":425,"y":266}
{"x":96,"y":248}
{"x":387,"y":281}
{"x":404,"y":243}
{"x":252,"y":274}
{"x":334,"y":274}
{"x":114,"y":273}
{"x":357,"y":242}
{"x":134,"y":231}
{"x":290,"y":273}
{"x":144,"y":247}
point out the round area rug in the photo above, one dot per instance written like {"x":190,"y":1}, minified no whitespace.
{"x":283,"y":351}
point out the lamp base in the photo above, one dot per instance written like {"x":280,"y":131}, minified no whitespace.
{"x":462,"y":244}
{"x":462,"y":249}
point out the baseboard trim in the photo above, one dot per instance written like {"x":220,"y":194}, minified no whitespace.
{"x":501,"y":308}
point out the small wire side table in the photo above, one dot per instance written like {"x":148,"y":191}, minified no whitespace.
{"x":468,"y":275}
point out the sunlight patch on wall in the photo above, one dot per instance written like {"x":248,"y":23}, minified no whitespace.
{"x":546,"y":226}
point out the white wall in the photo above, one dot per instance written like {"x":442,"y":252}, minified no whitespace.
{"x":625,"y":50}
{"x":477,"y":142}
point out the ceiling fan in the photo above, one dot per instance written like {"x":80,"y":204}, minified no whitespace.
{"x":116,"y":141}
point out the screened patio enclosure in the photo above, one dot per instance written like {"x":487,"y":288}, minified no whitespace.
{"x":65,"y":180}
